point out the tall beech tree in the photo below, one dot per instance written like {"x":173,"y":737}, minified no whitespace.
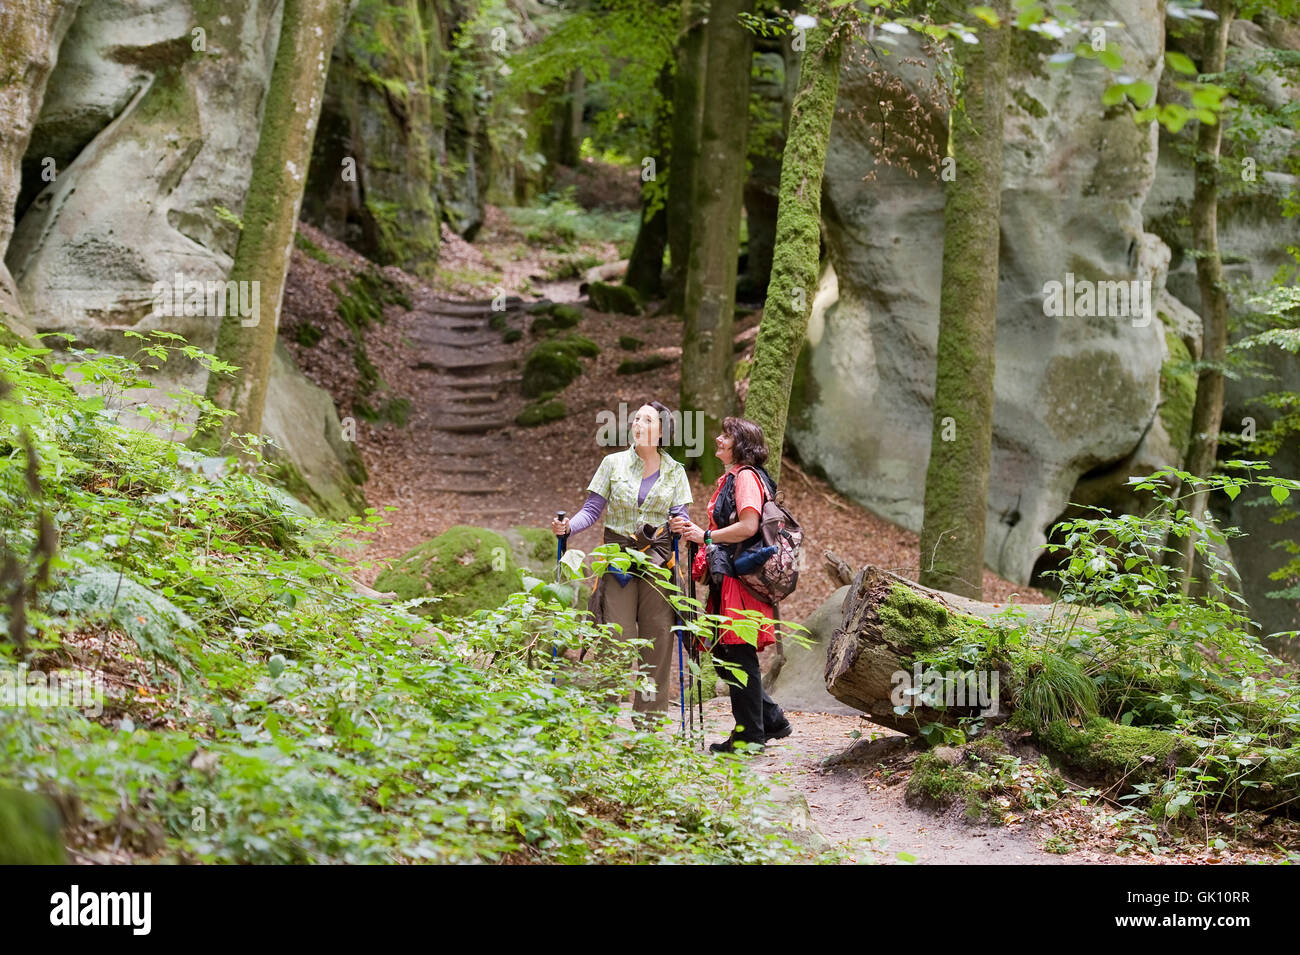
{"x":795,"y":259}
{"x":957,"y":476}
{"x":707,"y":357}
{"x":308,"y":31}
{"x":645,"y":264}
{"x":690,"y":68}
{"x":1207,"y":413}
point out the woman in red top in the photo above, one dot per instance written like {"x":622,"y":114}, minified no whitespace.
{"x":734,"y":512}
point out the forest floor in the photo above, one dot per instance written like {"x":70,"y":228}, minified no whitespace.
{"x":461,"y":459}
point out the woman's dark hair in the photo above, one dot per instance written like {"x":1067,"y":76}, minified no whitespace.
{"x":748,"y":445}
{"x":666,"y":434}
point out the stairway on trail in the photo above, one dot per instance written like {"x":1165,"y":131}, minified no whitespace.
{"x":471,"y":375}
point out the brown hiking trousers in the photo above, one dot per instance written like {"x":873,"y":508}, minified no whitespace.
{"x":642,"y":610}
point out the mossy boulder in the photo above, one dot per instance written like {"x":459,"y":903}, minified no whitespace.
{"x":629,"y":343}
{"x":620,"y":299}
{"x":469,"y":568}
{"x":565,"y":316}
{"x":635,"y":366}
{"x":30,"y":830}
{"x":533,"y":549}
{"x":551,"y":365}
{"x":541,"y":412}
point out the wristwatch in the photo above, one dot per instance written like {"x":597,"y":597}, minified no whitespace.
{"x":707,"y":539}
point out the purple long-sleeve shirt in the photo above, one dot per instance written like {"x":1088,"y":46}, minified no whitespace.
{"x":594,"y":506}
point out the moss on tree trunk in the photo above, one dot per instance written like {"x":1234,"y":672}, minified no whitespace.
{"x":795,"y":259}
{"x":708,"y":383}
{"x":1207,"y":413}
{"x":957,"y":477}
{"x":292,"y":108}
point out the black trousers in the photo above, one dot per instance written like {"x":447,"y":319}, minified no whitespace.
{"x":755,"y":713}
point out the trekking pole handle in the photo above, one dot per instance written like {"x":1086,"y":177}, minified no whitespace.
{"x":562,"y":540}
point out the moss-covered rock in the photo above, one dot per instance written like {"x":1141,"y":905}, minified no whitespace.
{"x":541,"y":412}
{"x":620,"y":299}
{"x":549,"y":367}
{"x":565,"y":316}
{"x":30,"y":830}
{"x":635,"y":366}
{"x":469,"y":568}
{"x":511,"y":336}
{"x":629,"y":343}
{"x":533,"y":547}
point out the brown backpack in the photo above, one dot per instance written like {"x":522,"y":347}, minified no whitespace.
{"x":778,"y":576}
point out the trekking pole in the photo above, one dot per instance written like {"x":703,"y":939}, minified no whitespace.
{"x":697,"y":685}
{"x":681,"y":640}
{"x":561,"y":543}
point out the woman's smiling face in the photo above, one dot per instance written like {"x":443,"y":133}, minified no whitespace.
{"x":645,"y":427}
{"x":723,"y":445}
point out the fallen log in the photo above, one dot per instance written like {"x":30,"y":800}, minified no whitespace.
{"x":887,"y":620}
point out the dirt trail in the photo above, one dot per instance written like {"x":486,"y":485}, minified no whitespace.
{"x":852,"y":808}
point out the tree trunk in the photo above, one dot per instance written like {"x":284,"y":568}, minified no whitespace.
{"x":957,"y":477}
{"x":887,"y":619}
{"x":708,"y":383}
{"x":645,"y":265}
{"x":308,"y":31}
{"x":870,"y":663}
{"x":795,"y":259}
{"x":1207,"y":414}
{"x":688,"y":103}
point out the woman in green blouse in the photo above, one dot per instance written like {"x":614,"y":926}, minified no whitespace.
{"x":638,"y":486}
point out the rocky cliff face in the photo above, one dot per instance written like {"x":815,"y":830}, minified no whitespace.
{"x":148,"y":123}
{"x":1082,"y":400}
{"x":30,"y":36}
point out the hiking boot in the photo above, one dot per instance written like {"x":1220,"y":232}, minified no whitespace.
{"x":781,"y":732}
{"x":734,"y":745}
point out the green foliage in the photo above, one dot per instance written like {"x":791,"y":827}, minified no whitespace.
{"x":629,"y":343}
{"x":620,"y":46}
{"x":314,"y":251}
{"x":306,"y":722}
{"x":991,"y":783}
{"x":1058,"y":689}
{"x":557,"y":221}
